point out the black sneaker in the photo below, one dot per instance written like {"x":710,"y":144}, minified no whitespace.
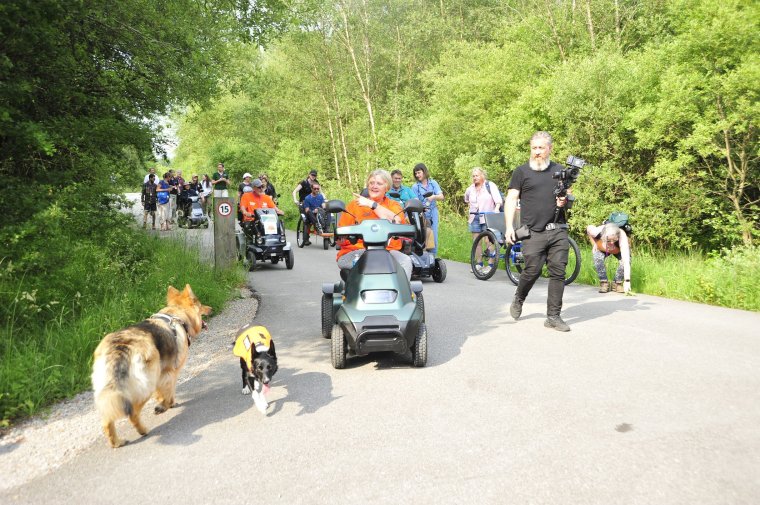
{"x":557,"y":323}
{"x":306,"y":242}
{"x":515,"y":309}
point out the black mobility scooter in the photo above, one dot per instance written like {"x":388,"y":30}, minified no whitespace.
{"x":376,"y":308}
{"x":264,"y":239}
{"x":190,"y":213}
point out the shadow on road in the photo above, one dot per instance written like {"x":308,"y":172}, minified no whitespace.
{"x":592,"y":309}
{"x":311,"y":390}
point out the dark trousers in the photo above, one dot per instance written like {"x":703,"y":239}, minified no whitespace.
{"x":550,"y":248}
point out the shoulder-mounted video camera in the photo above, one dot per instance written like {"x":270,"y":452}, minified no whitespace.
{"x":568,"y":175}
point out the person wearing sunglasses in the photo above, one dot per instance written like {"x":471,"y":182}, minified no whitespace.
{"x":313,"y":206}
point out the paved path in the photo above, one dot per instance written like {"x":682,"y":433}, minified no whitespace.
{"x":646,"y":401}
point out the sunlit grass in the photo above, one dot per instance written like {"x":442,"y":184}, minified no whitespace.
{"x":45,"y":361}
{"x":728,"y":279}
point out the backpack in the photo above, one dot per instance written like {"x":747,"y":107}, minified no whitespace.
{"x":162,"y":196}
{"x":499,"y":208}
{"x":621,"y":220}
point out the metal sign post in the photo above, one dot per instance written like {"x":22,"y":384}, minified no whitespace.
{"x":225,"y":252}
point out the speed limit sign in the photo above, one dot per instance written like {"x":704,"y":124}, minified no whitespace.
{"x":224,"y":209}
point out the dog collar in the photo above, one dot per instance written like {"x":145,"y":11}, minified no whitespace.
{"x":172,"y":321}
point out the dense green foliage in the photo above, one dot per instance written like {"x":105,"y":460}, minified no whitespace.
{"x":97,"y":283}
{"x":82,"y":87}
{"x":660,"y":97}
{"x":83,"y":84}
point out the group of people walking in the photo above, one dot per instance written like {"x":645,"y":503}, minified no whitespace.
{"x":161,"y":197}
{"x":542,"y":220}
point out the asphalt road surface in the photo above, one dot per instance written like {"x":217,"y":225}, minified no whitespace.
{"x":645,"y":401}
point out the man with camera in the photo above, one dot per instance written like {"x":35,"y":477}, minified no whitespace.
{"x":541,"y":186}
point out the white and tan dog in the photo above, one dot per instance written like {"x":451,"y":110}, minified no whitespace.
{"x":144,"y":360}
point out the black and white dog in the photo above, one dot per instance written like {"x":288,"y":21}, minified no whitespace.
{"x":258,"y":362}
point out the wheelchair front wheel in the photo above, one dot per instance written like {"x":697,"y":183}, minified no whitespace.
{"x":300,"y":231}
{"x":484,"y":255}
{"x":515,"y":263}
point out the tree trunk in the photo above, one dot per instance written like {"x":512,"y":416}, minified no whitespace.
{"x":554,"y":31}
{"x":590,"y":24}
{"x":345,"y":150}
{"x":735,"y":181}
{"x":332,"y":140}
{"x":399,"y":47}
{"x":362,"y":79}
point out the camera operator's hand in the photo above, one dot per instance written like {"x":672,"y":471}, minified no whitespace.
{"x":510,"y":235}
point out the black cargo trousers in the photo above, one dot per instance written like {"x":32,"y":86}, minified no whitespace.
{"x":548,"y":247}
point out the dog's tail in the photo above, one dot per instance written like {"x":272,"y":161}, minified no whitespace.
{"x":110,"y":375}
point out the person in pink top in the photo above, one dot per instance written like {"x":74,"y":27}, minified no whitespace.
{"x":482,"y":197}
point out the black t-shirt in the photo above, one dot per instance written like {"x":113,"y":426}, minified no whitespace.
{"x":173,"y":182}
{"x":243,"y":185}
{"x":537,"y":200}
{"x":269,"y":190}
{"x":305,"y":189}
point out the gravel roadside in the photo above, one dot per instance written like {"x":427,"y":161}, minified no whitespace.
{"x":39,"y":445}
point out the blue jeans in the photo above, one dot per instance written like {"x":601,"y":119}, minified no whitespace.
{"x":476,"y":226}
{"x":433,"y":217}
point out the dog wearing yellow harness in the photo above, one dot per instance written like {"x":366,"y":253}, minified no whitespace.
{"x":258,"y":362}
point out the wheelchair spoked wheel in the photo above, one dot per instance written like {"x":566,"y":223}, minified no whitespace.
{"x":515,"y":263}
{"x":333,"y":229}
{"x":300,"y":231}
{"x":573,"y":262}
{"x":484,"y":255}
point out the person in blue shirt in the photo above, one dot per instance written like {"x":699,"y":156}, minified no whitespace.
{"x":312,"y":206}
{"x":405,"y":193}
{"x":425,"y":185}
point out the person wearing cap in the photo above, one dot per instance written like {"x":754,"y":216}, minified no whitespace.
{"x":312,"y":206}
{"x":196,"y":185}
{"x":246,"y":182}
{"x":184,"y":197}
{"x":256,"y":199}
{"x":304,"y":188}
{"x":242,"y":189}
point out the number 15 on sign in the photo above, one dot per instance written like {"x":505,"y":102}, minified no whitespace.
{"x":224,"y":209}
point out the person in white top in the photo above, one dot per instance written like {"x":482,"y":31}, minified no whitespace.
{"x":206,"y":189}
{"x":482,"y":197}
{"x":151,"y":170}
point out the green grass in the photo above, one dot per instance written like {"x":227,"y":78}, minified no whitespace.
{"x":727,"y":279}
{"x":46,"y":343}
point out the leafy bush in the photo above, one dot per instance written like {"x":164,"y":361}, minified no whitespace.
{"x":69,"y":294}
